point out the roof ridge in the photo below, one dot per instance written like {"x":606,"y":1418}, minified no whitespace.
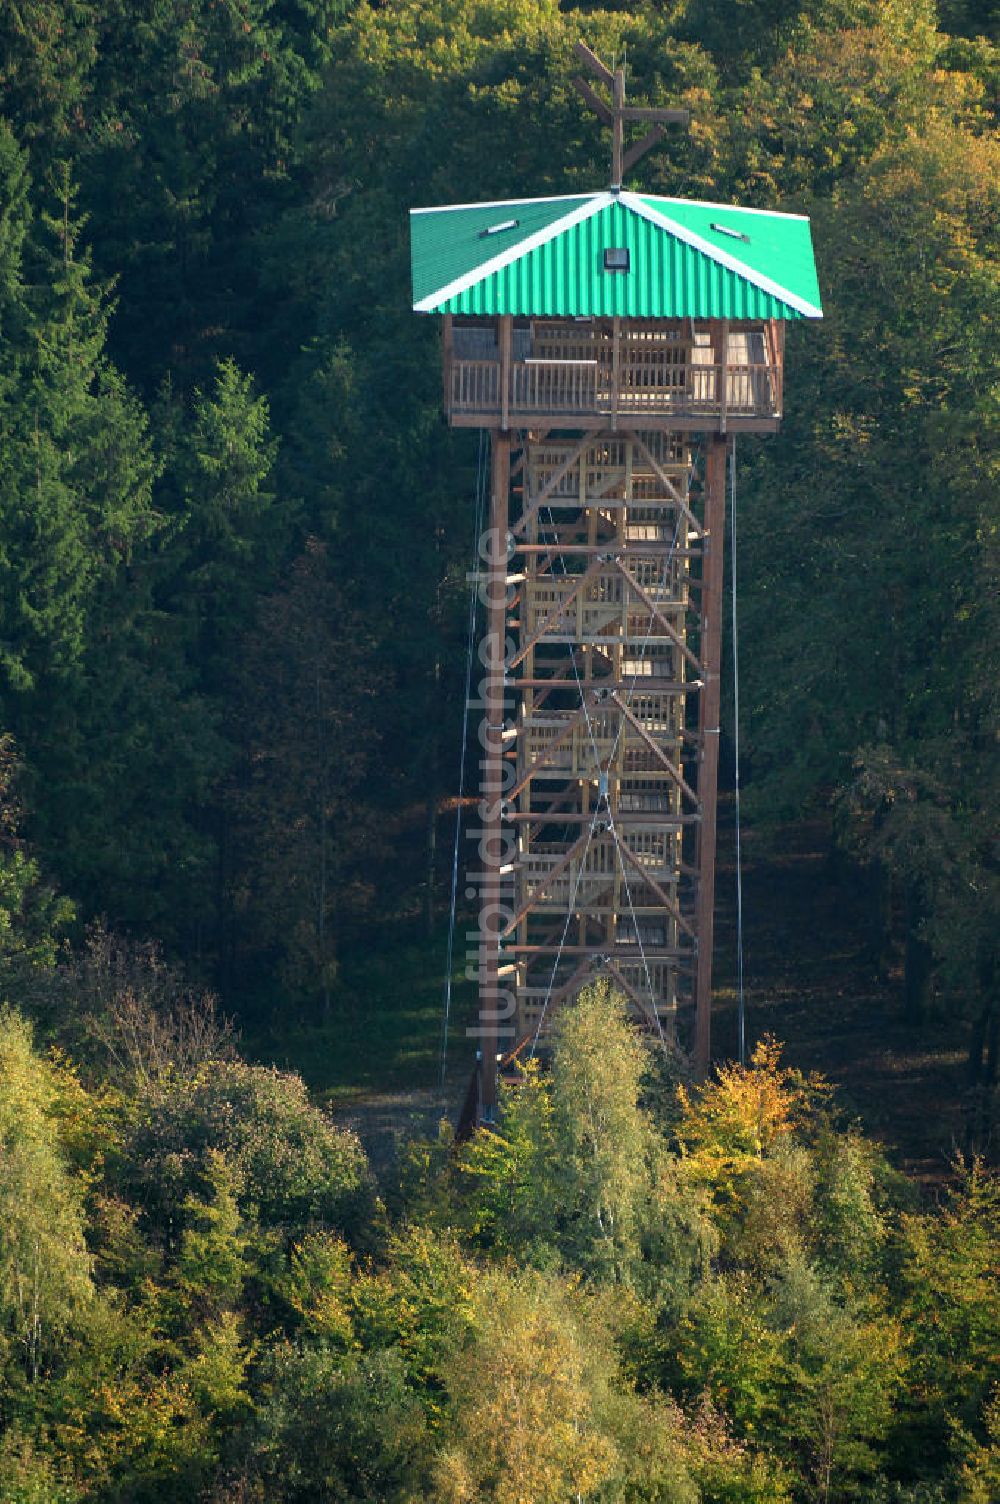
{"x":524,"y":247}
{"x":722,"y":257}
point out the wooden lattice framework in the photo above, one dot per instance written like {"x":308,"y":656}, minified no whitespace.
{"x":602,"y":733}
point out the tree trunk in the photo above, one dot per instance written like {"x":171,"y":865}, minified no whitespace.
{"x":918,"y":960}
{"x":984,"y":1047}
{"x":989,"y":1090}
{"x":880,"y":915}
{"x":431,"y":862}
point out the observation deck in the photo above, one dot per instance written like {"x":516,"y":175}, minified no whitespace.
{"x":677,"y":375}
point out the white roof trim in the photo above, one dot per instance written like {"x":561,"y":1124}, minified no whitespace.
{"x":507,"y":203}
{"x":513,"y":253}
{"x":705,"y":203}
{"x":716,"y":253}
{"x":557,"y":198}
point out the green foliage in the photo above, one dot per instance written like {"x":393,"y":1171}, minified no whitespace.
{"x":423,"y":1304}
{"x":298,"y":821}
{"x":77,"y":464}
{"x":30,"y":1475}
{"x":45,"y":1273}
{"x":601,"y":1136}
{"x":230,"y":529}
{"x":525,"y":1423}
{"x":211,"y":1261}
{"x":727,"y":1346}
{"x":286,"y":1159}
{"x":949,"y":1303}
{"x":845,"y":1367}
{"x":332,"y":1427}
{"x":32,"y":916}
{"x":980,"y":1477}
{"x":198,"y":1294}
{"x":575,"y":1171}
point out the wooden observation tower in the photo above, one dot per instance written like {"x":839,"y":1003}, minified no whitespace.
{"x":611,"y":343}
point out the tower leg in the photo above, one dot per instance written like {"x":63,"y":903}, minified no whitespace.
{"x":708,"y":768}
{"x":494,"y":1004}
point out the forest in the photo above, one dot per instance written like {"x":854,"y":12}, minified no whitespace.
{"x":234,"y":536}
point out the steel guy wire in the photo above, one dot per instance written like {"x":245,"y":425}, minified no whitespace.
{"x":635,"y":923}
{"x":741,"y":1011}
{"x":562,"y":942}
{"x":473,"y":601}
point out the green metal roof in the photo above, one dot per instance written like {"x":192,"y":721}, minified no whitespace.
{"x":538,"y":257}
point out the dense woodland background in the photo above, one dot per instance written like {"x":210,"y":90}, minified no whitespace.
{"x":233,"y":539}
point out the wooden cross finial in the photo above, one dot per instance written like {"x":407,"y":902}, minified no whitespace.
{"x":617,"y":113}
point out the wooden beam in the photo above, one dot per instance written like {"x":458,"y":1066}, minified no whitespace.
{"x":617,"y":128}
{"x":578,"y":977}
{"x":493,"y":752}
{"x":535,"y":503}
{"x":447,"y":348}
{"x":661,"y":893}
{"x":649,"y":1009}
{"x":708,"y":767}
{"x":652,"y":422}
{"x":622,"y":952}
{"x":667,"y":626}
{"x":557,"y":871}
{"x":639,"y":148}
{"x":668,"y":765}
{"x":648,"y":819}
{"x":553,"y":746}
{"x":557,"y":610}
{"x":648,"y":686}
{"x":505,"y":343}
{"x":593,"y":62}
{"x":675,"y":495}
{"x":720,"y":342}
{"x":629,"y":550}
{"x":594,"y":100}
{"x":654,"y":112}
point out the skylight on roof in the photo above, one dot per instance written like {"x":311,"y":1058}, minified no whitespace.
{"x":506,"y":224}
{"x":733,"y":234}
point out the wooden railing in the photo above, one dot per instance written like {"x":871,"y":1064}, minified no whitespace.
{"x":554,"y":386}
{"x":475,"y":386}
{"x":641,"y":387}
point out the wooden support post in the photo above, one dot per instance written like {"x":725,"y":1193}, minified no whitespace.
{"x":447,"y":359}
{"x":617,"y":129}
{"x":506,"y":341}
{"x":616,"y":327}
{"x":708,"y":765}
{"x":720,"y":354}
{"x":492,"y":995}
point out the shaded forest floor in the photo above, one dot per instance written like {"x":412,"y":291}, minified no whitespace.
{"x":809,"y":982}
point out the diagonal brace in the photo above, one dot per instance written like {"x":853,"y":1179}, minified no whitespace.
{"x":543,"y":887}
{"x":550,"y":485}
{"x":667,"y":483}
{"x":553,"y":746}
{"x":558,"y":610}
{"x":653,"y":608}
{"x":657,"y":751}
{"x":651,"y":882}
